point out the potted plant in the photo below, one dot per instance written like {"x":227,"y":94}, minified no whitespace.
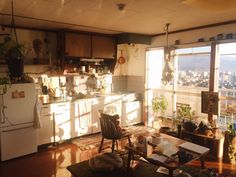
{"x":229,"y":155}
{"x":159,"y":106}
{"x":4,"y":82}
{"x":14,"y":53}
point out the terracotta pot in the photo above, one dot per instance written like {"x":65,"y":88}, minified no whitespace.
{"x":164,"y":129}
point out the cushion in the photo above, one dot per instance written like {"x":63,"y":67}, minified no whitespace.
{"x":202,"y":128}
{"x":106,"y":162}
{"x":189,"y":126}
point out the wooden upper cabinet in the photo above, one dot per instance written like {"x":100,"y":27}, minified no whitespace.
{"x":103,"y":47}
{"x":77,"y":45}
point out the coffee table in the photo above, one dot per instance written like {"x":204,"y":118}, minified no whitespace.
{"x":163,"y":159}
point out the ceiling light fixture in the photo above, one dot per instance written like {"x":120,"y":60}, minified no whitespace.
{"x":120,"y":6}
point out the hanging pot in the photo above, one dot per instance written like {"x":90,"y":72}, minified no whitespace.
{"x":15,"y":67}
{"x":121,"y":59}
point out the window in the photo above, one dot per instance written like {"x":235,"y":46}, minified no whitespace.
{"x":227,"y":83}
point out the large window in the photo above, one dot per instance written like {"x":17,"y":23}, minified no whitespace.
{"x":192,"y":76}
{"x":227,"y":83}
{"x":193,"y":73}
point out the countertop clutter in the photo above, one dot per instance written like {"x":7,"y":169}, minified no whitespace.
{"x":124,"y":96}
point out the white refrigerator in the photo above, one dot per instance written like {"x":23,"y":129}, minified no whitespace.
{"x":17,"y":130}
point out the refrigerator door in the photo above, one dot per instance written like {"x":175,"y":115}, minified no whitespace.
{"x":17,"y":132}
{"x":20,"y":102}
{"x":18,"y":142}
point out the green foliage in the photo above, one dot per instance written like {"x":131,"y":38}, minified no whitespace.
{"x":5,"y":81}
{"x":185,"y":111}
{"x":231,"y":134}
{"x":11,"y":49}
{"x":159,"y":104}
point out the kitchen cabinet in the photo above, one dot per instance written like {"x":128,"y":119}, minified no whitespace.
{"x":111,"y":105}
{"x":62,"y":125}
{"x":103,"y":47}
{"x":77,"y":45}
{"x":97,"y":105}
{"x":81,"y":122}
{"x":131,"y":113}
{"x":45,"y":132}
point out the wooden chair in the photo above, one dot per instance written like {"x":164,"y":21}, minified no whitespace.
{"x":111,"y":130}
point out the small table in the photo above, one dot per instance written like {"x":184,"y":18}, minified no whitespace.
{"x":165,"y":160}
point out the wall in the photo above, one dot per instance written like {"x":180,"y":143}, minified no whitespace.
{"x":133,"y":70}
{"x":194,"y":35}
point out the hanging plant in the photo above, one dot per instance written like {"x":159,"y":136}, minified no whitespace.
{"x":168,"y":72}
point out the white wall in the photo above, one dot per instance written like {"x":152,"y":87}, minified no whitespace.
{"x":135,"y":60}
{"x":194,"y":35}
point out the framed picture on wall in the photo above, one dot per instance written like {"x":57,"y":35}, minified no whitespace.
{"x":210,"y":102}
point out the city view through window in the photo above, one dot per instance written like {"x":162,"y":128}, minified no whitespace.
{"x":192,"y":74}
{"x":227,"y":82}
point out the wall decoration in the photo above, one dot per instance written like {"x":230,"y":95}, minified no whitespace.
{"x":18,"y":94}
{"x":41,"y":46}
{"x":210,"y":102}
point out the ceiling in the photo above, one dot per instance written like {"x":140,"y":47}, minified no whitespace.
{"x":138,"y":16}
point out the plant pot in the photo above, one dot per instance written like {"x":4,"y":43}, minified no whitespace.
{"x":15,"y":67}
{"x":164,"y":129}
{"x":229,"y":155}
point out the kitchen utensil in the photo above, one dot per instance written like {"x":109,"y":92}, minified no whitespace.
{"x":121,"y":59}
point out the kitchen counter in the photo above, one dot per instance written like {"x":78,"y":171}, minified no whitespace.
{"x":126,"y":96}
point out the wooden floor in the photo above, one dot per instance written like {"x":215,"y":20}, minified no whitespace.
{"x":52,"y":162}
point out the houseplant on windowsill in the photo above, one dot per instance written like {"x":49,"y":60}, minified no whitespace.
{"x":159,"y":106}
{"x":13,"y":53}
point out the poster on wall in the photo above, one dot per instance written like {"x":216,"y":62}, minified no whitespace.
{"x":39,"y":46}
{"x":210,"y":103}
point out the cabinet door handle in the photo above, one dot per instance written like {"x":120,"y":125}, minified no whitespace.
{"x":47,"y":115}
{"x":58,"y":114}
{"x":61,"y":105}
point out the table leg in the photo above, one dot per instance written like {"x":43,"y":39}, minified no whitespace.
{"x":129,"y":159}
{"x":202,"y":159}
{"x":170,"y":173}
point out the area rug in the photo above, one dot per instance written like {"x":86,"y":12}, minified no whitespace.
{"x":93,"y":141}
{"x":142,"y":169}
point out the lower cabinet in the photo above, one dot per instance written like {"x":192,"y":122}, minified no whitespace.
{"x":62,"y":127}
{"x":62,"y":121}
{"x":45,"y":132}
{"x":81,"y":118}
{"x":55,"y":123}
{"x":131,"y":113}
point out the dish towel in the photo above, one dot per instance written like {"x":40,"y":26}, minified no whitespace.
{"x":37,"y":110}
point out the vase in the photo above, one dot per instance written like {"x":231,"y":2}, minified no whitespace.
{"x":15,"y":67}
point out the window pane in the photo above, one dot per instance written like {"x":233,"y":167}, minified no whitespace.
{"x":227,"y":84}
{"x":193,"y":78}
{"x":194,"y":50}
{"x":193,"y":70}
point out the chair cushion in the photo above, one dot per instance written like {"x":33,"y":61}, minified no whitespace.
{"x":106,"y":162}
